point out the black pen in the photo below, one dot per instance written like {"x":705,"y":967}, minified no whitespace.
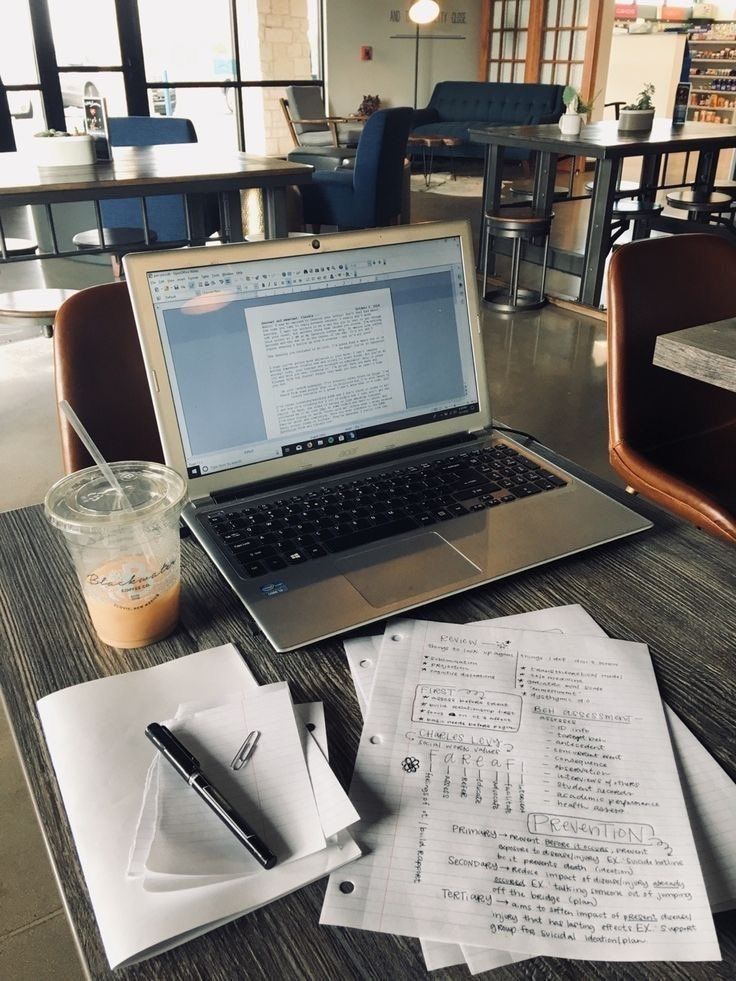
{"x":189,"y":769}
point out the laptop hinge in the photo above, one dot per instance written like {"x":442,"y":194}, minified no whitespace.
{"x":322,"y":473}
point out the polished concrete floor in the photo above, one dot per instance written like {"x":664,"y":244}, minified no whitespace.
{"x":547,"y":375}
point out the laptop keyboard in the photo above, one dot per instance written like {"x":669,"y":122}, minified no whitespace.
{"x":268,"y":537}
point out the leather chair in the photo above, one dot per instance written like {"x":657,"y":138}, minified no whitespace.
{"x":99,"y":369}
{"x":672,"y":438}
{"x":369,"y":195}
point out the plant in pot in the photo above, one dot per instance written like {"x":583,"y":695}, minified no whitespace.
{"x":638,"y":116}
{"x":576,"y":112}
{"x":55,"y":148}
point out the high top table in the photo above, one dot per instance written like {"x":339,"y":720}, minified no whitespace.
{"x":191,"y":169}
{"x":602,"y":142}
{"x":671,"y":587}
{"x":706,"y":352}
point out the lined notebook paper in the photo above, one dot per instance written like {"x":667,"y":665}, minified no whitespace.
{"x":542,"y":759}
{"x":710,"y":794}
{"x":273,"y":792}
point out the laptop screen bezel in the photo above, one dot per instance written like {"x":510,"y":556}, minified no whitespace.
{"x":139,"y":265}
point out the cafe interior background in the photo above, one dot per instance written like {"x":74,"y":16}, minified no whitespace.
{"x":353,"y":48}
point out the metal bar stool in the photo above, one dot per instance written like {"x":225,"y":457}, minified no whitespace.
{"x":33,"y":308}
{"x":519,"y":225}
{"x":625,"y":211}
{"x":702,"y":206}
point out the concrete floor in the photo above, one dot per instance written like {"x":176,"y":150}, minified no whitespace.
{"x":547,"y":375}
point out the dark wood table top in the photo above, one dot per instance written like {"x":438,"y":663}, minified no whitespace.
{"x":706,"y":352}
{"x":603,"y":141}
{"x":671,"y":588}
{"x":138,"y":167}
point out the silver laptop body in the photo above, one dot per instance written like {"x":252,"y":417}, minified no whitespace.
{"x":283,"y":372}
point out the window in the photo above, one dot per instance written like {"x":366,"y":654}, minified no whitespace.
{"x":222,"y":63}
{"x":541,"y":41}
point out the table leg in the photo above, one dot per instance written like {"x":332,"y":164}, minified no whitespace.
{"x":195,"y":218}
{"x":275,"y":213}
{"x":705,"y":173}
{"x":231,"y":216}
{"x":492,"y":174}
{"x":648,"y":182}
{"x":543,"y":192}
{"x":427,"y":162}
{"x":599,"y":231}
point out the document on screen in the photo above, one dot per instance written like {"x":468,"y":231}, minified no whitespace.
{"x":327,"y":362}
{"x":518,"y":790}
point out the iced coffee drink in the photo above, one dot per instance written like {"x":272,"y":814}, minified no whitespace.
{"x":126,"y":551}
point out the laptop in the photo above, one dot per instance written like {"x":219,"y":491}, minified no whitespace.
{"x":325,"y":398}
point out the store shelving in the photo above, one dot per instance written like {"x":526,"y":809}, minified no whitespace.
{"x":713,"y":73}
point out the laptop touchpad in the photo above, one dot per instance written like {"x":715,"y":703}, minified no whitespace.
{"x":396,"y":570}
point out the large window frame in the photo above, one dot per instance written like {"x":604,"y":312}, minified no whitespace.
{"x":132,"y":68}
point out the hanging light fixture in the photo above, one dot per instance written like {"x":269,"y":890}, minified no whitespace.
{"x":422,"y":12}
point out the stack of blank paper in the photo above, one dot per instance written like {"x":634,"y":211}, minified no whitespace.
{"x":160,"y":867}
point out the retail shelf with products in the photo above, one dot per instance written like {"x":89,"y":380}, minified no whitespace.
{"x":713,"y":73}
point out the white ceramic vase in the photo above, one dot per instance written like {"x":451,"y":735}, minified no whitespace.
{"x":63,"y":151}
{"x":570,"y":123}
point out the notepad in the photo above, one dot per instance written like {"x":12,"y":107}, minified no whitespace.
{"x":273,"y":792}
{"x":94,"y":733}
{"x":562,"y":741}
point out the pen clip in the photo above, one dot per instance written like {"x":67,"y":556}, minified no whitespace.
{"x":246,"y":750}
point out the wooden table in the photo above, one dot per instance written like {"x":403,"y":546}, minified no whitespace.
{"x":671,"y":588}
{"x":428,"y":144}
{"x":191,"y":169}
{"x":602,"y":142}
{"x":706,"y":352}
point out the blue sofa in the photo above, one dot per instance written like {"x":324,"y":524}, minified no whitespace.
{"x":456,"y":107}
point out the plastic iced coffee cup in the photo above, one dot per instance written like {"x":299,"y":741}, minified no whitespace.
{"x":126,"y":550}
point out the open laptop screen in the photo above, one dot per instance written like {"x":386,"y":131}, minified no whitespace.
{"x":277,"y":357}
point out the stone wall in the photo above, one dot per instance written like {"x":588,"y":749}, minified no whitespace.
{"x":274,"y":44}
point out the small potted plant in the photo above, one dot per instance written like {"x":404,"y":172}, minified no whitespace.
{"x":638,"y":116}
{"x":55,"y":148}
{"x":577,"y":110}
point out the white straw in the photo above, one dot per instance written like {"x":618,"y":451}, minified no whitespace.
{"x":106,"y":469}
{"x":99,"y":459}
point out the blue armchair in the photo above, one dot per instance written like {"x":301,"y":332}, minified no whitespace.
{"x":369,"y":195}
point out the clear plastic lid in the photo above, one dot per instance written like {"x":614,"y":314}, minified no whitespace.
{"x":85,"y":500}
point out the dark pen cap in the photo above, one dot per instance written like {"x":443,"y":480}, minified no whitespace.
{"x":167,"y":743}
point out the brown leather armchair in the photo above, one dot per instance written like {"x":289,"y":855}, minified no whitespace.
{"x":672,"y":438}
{"x":99,"y":369}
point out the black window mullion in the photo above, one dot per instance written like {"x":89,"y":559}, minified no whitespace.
{"x":48,"y":73}
{"x":7,"y":136}
{"x":237,"y":92}
{"x":131,"y":53}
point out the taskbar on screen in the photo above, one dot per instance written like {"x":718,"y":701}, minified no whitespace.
{"x":348,"y":436}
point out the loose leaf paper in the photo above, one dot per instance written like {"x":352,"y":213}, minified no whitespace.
{"x":518,"y":790}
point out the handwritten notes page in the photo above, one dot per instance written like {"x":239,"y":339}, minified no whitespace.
{"x":518,"y":790}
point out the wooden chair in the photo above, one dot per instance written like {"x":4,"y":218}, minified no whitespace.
{"x":310,"y":126}
{"x":672,"y":438}
{"x":99,"y":369}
